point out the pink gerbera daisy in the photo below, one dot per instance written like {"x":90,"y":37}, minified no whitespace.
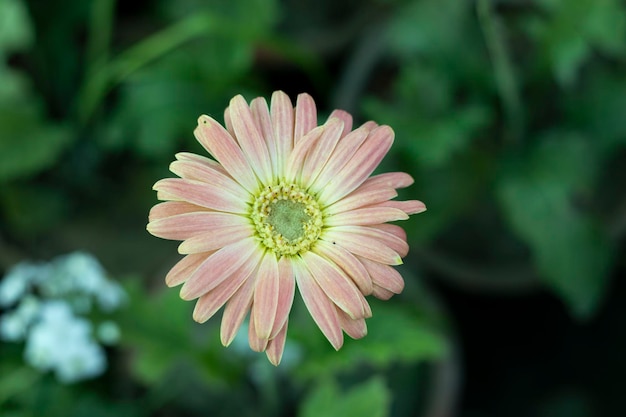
{"x":284,"y":202}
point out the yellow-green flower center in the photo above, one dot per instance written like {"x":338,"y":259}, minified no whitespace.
{"x":287,"y":219}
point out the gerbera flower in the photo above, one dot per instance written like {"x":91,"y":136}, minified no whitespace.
{"x":285,"y":202}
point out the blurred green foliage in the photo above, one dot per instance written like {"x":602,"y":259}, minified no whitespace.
{"x":369,"y":399}
{"x":509,"y":115}
{"x":29,"y":143}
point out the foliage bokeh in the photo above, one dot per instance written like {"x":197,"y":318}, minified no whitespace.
{"x":509,"y":114}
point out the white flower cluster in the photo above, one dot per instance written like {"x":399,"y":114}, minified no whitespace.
{"x":44,"y":305}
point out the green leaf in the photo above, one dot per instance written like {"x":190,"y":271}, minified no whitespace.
{"x":14,"y":85}
{"x":369,"y":399}
{"x":429,"y":26}
{"x":395,"y":334}
{"x":433,"y":187}
{"x":18,"y":378}
{"x":162,"y":96}
{"x":571,"y":252}
{"x":158,"y":327}
{"x":436,"y":141}
{"x":574,"y":28}
{"x":16,"y":31}
{"x":599,"y":109}
{"x":159,"y":330}
{"x":428,"y":126}
{"x":256,"y":15}
{"x":27,"y":144}
{"x":160,"y":104}
{"x":33,"y":209}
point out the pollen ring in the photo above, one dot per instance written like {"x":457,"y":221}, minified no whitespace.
{"x":287,"y":219}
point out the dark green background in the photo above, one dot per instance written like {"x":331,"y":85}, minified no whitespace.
{"x":509,"y":114}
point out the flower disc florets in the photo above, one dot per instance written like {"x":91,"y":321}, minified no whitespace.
{"x":287,"y":219}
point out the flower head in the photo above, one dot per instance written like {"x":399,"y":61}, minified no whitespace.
{"x":284,"y":202}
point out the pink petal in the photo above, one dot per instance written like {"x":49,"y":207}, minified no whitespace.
{"x":187,"y":225}
{"x":361,"y":198}
{"x":172,"y":208}
{"x":296,"y":159}
{"x":286,"y":290}
{"x":409,"y":207}
{"x":236,"y":310}
{"x":282,"y":114}
{"x":201,"y":194}
{"x":348,"y":262}
{"x":355,"y":328}
{"x":345,"y":117}
{"x":219,"y":143}
{"x":250,"y":139}
{"x":184,"y":268}
{"x":384,"y":276}
{"x":196,"y":171}
{"x":215,"y":239}
{"x":228,"y":123}
{"x":256,"y":343}
{"x":346,"y":148}
{"x":367,"y":308}
{"x":382,"y":293}
{"x":216,"y":268}
{"x":363,"y":241}
{"x":320,"y":151}
{"x":389,"y":179}
{"x":209,"y":303}
{"x":322,"y":309}
{"x":276,"y":346}
{"x":306,"y":116}
{"x":192,"y":157}
{"x":393,"y":229}
{"x":358,"y":166}
{"x":366,"y":216}
{"x":394,"y":237}
{"x":335,"y":284}
{"x":263,"y":120}
{"x":265,"y":297}
{"x":370,"y":125}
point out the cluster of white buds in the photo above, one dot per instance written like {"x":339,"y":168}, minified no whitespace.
{"x":46,"y":305}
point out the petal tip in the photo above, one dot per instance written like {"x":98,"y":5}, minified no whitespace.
{"x":197,"y":317}
{"x":203,"y":120}
{"x":225,"y":342}
{"x":170,"y":284}
{"x":185,"y":293}
{"x":274,"y":361}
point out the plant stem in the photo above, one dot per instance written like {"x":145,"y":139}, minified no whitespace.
{"x":503,"y":69}
{"x":99,"y":39}
{"x":359,"y":67}
{"x":116,"y":70}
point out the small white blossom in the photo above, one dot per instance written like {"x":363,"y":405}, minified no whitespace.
{"x":61,"y":342}
{"x":18,"y":281}
{"x":44,"y":305}
{"x":11,"y":328}
{"x":110,"y":296}
{"x":14,"y":324}
{"x":108,"y":332}
{"x":78,"y":272}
